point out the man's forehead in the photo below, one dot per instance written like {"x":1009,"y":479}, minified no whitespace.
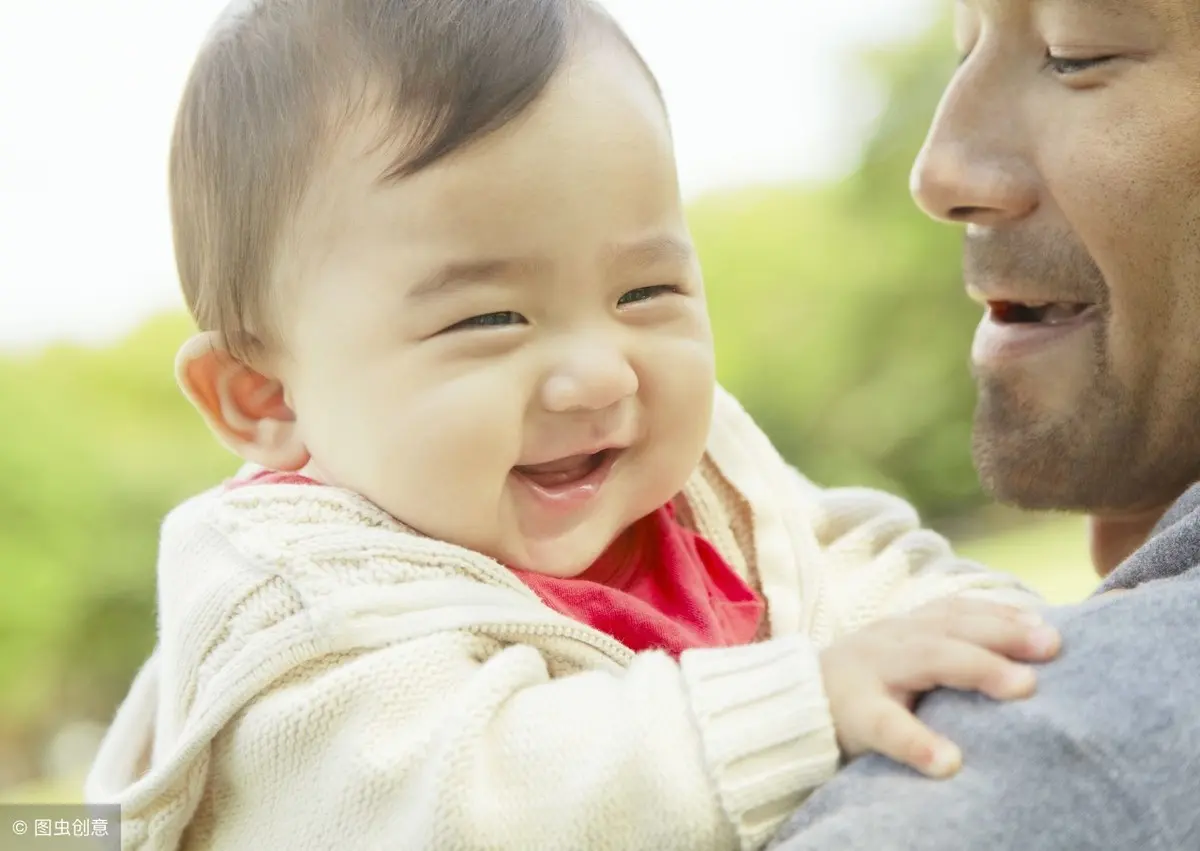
{"x":1189,"y":9}
{"x":1176,"y":19}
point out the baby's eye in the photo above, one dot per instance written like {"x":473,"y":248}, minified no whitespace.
{"x":499,"y":319}
{"x":646,"y":293}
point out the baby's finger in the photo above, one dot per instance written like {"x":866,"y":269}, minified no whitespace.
{"x":960,"y":665}
{"x":970,"y":608}
{"x":898,"y":734}
{"x":1002,"y":629}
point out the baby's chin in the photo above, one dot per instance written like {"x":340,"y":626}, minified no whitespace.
{"x":565,"y":556}
{"x":552,"y":561}
{"x":517,"y":541}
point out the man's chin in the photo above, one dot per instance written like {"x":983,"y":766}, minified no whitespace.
{"x":1081,"y":474}
{"x":1036,"y":455}
{"x":1027,"y":496}
{"x":1032,"y":473}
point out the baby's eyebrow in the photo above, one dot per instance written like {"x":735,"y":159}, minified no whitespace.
{"x":459,"y":274}
{"x":466,"y":273}
{"x":663,"y":248}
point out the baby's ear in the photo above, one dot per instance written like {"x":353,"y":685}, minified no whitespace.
{"x":245,"y":409}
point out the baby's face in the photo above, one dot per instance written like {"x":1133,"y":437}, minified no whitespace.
{"x":509,"y":350}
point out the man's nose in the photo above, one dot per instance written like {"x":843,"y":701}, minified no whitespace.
{"x":972,"y":168}
{"x":589,"y":377}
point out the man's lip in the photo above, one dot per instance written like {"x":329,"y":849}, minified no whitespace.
{"x":999,"y":342}
{"x":985,"y":294}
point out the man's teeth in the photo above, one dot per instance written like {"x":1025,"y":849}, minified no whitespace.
{"x":1056,"y":314}
{"x":1035,"y":312}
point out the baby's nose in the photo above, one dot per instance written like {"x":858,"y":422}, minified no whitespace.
{"x":589,"y":384}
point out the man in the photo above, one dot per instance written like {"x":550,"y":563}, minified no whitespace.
{"x":1068,"y":144}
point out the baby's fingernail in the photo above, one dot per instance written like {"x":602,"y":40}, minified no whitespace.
{"x":1020,"y":678}
{"x":1043,"y":640}
{"x":947,"y":759}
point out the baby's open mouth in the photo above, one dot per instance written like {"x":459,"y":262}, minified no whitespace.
{"x":564,"y":472}
{"x":1036,"y":313}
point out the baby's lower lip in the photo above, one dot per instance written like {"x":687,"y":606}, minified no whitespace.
{"x":573,"y":494}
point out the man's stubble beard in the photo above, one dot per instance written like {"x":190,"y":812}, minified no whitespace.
{"x":1077,"y":463}
{"x":1112,"y":452}
{"x":1101,"y":458}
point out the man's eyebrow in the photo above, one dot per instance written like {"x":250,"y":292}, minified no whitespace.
{"x":646,"y":252}
{"x":1115,"y":8}
{"x":465,"y":273}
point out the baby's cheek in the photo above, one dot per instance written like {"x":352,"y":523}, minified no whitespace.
{"x":444,"y":458}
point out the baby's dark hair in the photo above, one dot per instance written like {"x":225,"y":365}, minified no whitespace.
{"x":277,"y":80}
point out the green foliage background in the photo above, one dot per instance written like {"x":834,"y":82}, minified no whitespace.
{"x":840,"y":314}
{"x":840,"y":324}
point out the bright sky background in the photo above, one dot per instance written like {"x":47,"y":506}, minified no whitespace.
{"x":758,"y":91}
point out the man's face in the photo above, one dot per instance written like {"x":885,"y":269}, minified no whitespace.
{"x":1068,"y":142}
{"x":508,"y":350}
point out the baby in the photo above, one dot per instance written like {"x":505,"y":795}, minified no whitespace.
{"x":506,"y":569}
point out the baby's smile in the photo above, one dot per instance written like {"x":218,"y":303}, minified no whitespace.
{"x":569,"y":483}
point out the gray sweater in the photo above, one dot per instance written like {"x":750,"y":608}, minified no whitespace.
{"x":1105,"y":757}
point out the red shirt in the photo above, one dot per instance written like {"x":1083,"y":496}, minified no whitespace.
{"x":659,"y":586}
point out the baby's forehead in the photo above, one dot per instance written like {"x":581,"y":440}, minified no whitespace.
{"x":602,"y":116}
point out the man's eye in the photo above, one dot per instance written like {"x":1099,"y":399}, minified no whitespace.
{"x":499,"y":319}
{"x":1067,"y":65}
{"x":646,"y":293}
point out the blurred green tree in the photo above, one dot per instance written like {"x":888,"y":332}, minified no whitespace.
{"x":839,"y":311}
{"x":95,"y":447}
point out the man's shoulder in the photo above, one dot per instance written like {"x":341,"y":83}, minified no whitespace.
{"x":1125,"y":676}
{"x":1105,"y":755}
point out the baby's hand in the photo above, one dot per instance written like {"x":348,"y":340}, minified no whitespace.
{"x":873,"y":676}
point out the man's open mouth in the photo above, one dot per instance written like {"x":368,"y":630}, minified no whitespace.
{"x":566,"y":472}
{"x":1036,"y":313}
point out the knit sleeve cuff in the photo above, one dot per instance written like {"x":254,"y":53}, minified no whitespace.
{"x":767,"y":731}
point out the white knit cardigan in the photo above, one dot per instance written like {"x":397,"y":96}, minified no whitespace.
{"x":327,"y":679}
